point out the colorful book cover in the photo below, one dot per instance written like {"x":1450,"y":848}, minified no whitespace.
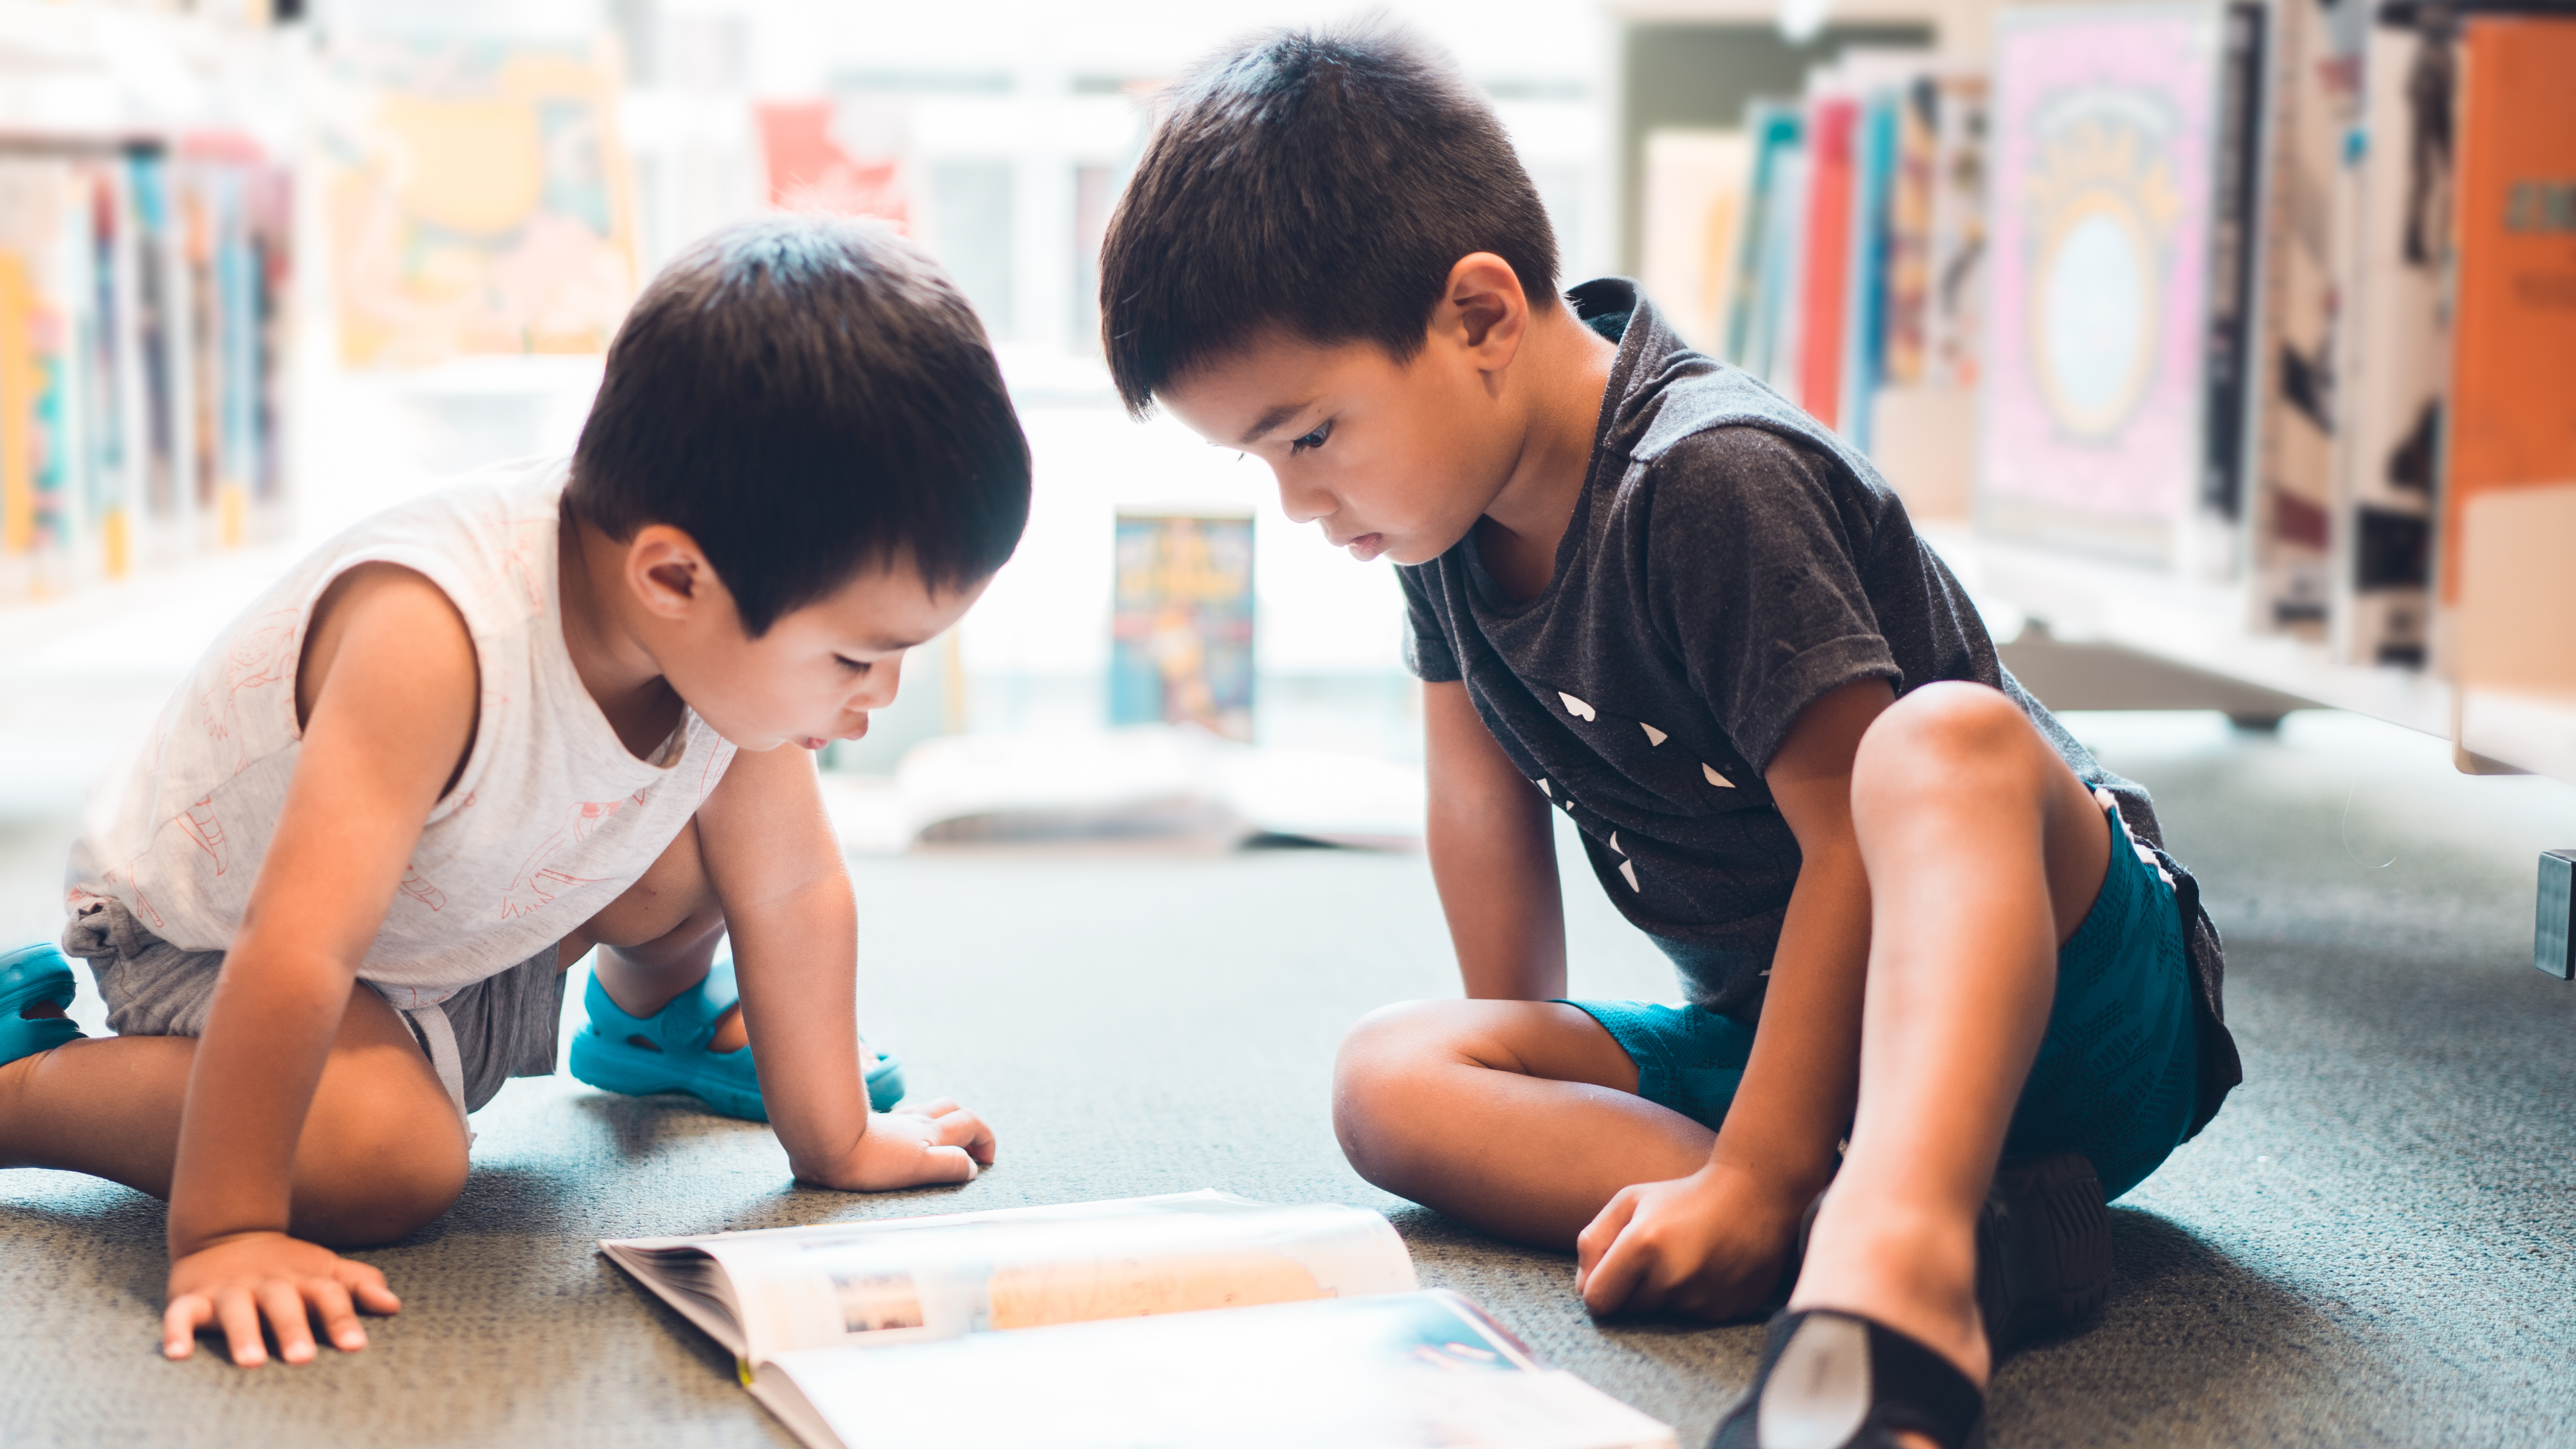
{"x":107,"y":359}
{"x":2513,"y":408}
{"x":477,"y":198}
{"x":1824,"y":298}
{"x":1874,"y":141}
{"x":1696,"y":183}
{"x":160,"y":341}
{"x":1786,"y":286}
{"x":1181,"y":630}
{"x":2104,"y":127}
{"x":41,"y":372}
{"x":1753,"y":299}
{"x":2292,"y":348}
{"x":2233,"y":233}
{"x":2396,"y":374}
{"x":1954,"y":321}
{"x":1906,"y":250}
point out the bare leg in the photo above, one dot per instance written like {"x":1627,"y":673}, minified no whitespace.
{"x":382,"y":1151}
{"x":659,"y":938}
{"x":1984,"y":854}
{"x":1519,"y":1118}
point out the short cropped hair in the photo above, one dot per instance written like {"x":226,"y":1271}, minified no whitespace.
{"x":1322,"y":182}
{"x":806,"y":397}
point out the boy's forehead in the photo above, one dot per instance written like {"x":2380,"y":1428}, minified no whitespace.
{"x":888,"y":605}
{"x":1236,"y":398}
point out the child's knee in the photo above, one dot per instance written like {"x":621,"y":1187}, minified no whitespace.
{"x":379,"y":1158}
{"x":1379,"y":1097}
{"x":383,"y":1190}
{"x":1948,"y":733}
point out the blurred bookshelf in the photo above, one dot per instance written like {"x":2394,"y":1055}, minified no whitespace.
{"x":147,"y":275}
{"x":2220,"y":341}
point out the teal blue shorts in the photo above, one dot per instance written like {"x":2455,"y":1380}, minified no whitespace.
{"x":2115,"y":1073}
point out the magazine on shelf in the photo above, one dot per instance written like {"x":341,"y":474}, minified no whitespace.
{"x":2396,"y":374}
{"x":2293,"y":356}
{"x":2105,"y":124}
{"x":1095,"y":1324}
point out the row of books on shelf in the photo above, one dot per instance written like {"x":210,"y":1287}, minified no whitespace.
{"x":143,"y":326}
{"x":2263,"y":292}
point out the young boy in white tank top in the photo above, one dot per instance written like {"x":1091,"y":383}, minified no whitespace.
{"x":544,"y":710}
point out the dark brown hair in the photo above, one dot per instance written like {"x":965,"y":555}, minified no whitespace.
{"x":806,"y":397}
{"x":1324,"y":182}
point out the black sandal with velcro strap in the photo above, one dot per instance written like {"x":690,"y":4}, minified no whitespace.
{"x":1834,"y":1380}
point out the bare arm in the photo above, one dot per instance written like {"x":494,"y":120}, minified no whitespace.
{"x":1795,"y":1102}
{"x":1712,"y":1243}
{"x":777,"y":870}
{"x":387,"y":687}
{"x":1493,"y":855}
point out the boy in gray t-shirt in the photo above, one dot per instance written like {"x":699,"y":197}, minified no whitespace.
{"x":1921,"y":931}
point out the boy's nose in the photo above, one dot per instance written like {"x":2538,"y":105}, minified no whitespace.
{"x":1303,"y":505}
{"x":877,"y":689}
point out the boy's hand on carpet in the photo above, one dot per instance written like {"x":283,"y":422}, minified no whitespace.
{"x":1710,"y":1244}
{"x":239,"y":1280}
{"x":914,"y":1146}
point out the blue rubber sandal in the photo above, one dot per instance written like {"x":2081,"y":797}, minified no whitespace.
{"x":27,"y":976}
{"x":667,"y":1051}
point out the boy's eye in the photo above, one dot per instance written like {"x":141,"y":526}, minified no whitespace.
{"x":855,"y":666}
{"x":1314,"y":439}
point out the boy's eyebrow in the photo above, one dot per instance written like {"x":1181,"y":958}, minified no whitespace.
{"x":1274,"y":418}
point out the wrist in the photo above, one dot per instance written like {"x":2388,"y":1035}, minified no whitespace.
{"x":826,"y":1167}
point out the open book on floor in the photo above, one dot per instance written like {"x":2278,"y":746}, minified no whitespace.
{"x":888,"y":1333}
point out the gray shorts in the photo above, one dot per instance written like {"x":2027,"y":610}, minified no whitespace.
{"x":505,"y":1025}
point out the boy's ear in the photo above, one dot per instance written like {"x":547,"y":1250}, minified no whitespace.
{"x":668,"y":573}
{"x":1483,"y":310}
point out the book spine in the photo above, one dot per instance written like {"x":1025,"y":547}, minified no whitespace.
{"x":2231,"y":262}
{"x":2512,"y":418}
{"x":2398,"y":376}
{"x":1825,"y":295}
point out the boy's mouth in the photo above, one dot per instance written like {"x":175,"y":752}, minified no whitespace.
{"x":1365,"y":547}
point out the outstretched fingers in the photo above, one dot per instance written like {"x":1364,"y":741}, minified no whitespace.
{"x":180,"y":1321}
{"x":285,"y":1308}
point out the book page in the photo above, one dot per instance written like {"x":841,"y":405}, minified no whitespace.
{"x":1395,"y":1370}
{"x":905,"y":1279}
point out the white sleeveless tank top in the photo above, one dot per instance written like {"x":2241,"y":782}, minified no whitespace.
{"x":550,"y":821}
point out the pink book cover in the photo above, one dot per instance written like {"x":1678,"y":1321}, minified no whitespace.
{"x":2100,"y":215}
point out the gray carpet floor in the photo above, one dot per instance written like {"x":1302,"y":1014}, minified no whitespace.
{"x":2375,"y":1243}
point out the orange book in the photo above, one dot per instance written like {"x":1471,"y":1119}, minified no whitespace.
{"x":1825,"y":283}
{"x":17,"y":406}
{"x":2513,"y":394}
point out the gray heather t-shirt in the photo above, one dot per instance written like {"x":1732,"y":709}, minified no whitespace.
{"x":1729,"y":562}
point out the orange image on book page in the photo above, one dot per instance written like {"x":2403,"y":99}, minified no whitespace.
{"x":1132,"y":1287}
